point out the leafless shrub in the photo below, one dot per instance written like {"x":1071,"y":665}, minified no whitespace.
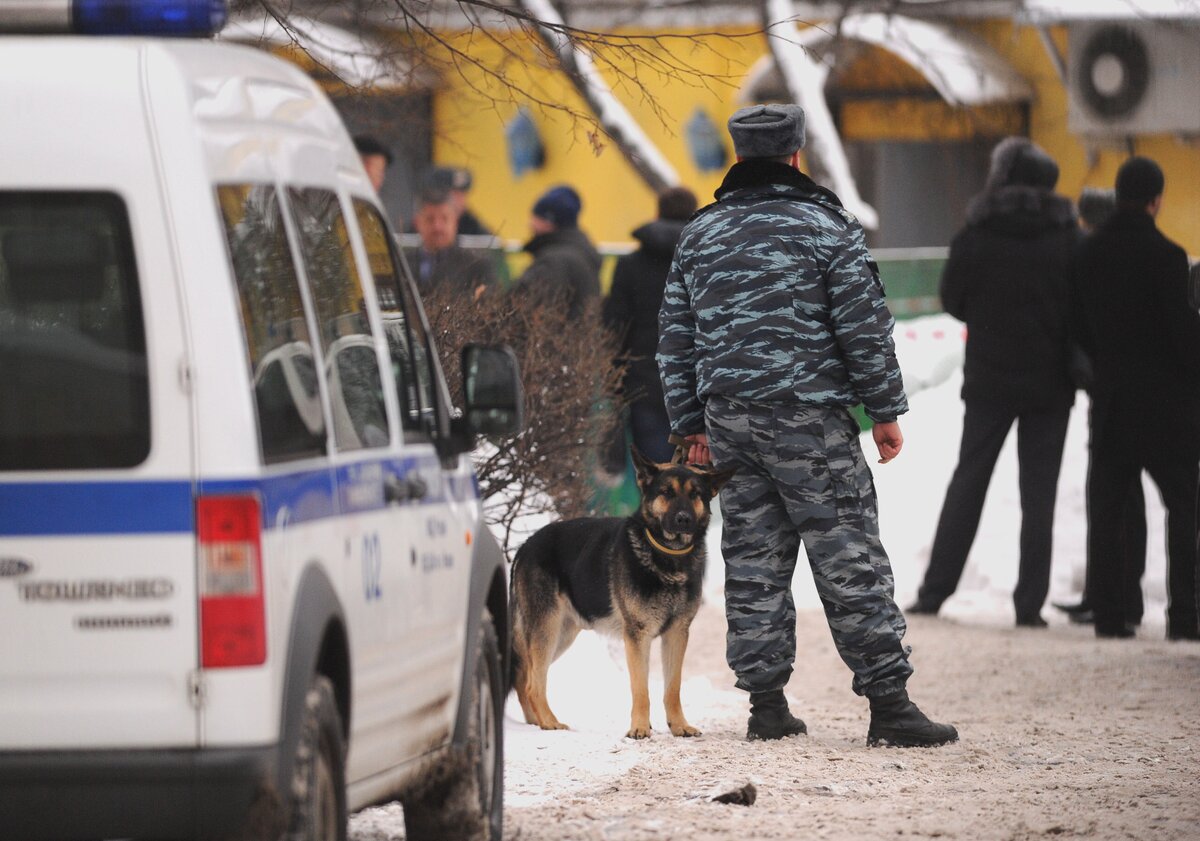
{"x":570,"y":395}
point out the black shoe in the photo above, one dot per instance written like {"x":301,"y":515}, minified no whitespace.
{"x":1083,"y":617}
{"x":920,"y":608}
{"x":1034,"y":621}
{"x":897,"y":722}
{"x":770,"y":718}
{"x":1177,"y":632}
{"x":1122,"y":631}
{"x":1073,"y":609}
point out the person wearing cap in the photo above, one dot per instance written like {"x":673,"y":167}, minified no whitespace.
{"x":566,"y":266}
{"x":375,"y":157}
{"x":772,"y":326}
{"x":1008,"y":278}
{"x":1133,"y":318}
{"x":456,"y":182}
{"x":439,"y":262}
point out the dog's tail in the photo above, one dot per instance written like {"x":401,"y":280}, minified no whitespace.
{"x":513,"y":658}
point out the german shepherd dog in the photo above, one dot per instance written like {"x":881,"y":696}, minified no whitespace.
{"x":636,"y":577}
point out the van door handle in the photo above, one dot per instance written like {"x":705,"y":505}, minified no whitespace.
{"x":409,"y":488}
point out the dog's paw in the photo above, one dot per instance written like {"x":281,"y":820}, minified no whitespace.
{"x":638,"y":732}
{"x":554,"y":725}
{"x":685,"y":730}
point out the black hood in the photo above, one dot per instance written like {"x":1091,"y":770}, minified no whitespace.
{"x":660,"y":236}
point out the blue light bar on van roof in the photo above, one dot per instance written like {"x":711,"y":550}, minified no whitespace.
{"x":148,"y":17}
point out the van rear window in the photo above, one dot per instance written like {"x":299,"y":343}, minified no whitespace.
{"x":73,"y":385}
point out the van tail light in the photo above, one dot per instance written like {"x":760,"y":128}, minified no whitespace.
{"x":233,"y":628}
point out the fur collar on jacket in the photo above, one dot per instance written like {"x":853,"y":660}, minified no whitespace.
{"x":1020,"y":207}
{"x":757,"y":174}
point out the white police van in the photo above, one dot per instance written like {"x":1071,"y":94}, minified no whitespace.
{"x":244,"y":582}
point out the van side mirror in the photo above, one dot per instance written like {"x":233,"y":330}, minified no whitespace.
{"x":495,"y":400}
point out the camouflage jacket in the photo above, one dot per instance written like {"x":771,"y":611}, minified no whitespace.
{"x":772,"y":296}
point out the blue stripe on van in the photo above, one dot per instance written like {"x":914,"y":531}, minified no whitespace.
{"x":167,"y":507}
{"x":30,"y":508}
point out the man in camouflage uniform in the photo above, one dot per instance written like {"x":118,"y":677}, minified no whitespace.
{"x":773,"y":324}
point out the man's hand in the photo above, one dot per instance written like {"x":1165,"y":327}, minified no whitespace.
{"x":698,"y":449}
{"x":888,"y":439}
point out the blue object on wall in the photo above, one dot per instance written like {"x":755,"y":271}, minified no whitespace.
{"x":705,"y":143}
{"x":525,"y":149}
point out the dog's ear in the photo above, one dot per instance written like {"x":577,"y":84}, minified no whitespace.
{"x":646,"y":470}
{"x":718,"y":478}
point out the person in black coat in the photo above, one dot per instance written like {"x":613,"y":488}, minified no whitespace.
{"x":1134,"y":320}
{"x":1096,"y":206}
{"x":631,"y":312}
{"x":566,"y":266}
{"x":1007,"y":277}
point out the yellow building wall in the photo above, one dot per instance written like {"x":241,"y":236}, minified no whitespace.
{"x":469,"y":131}
{"x":470,"y":114}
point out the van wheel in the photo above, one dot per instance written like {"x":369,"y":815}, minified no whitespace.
{"x":318,"y":795}
{"x":466,"y":801}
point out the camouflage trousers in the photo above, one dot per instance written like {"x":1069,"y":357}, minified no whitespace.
{"x":802,"y":479}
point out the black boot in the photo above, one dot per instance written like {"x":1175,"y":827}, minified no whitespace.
{"x":770,"y":717}
{"x":896,"y":721}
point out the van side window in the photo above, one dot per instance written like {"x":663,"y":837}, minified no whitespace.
{"x":73,"y":376}
{"x":291,"y":422}
{"x":351,"y":366}
{"x":414,"y":381}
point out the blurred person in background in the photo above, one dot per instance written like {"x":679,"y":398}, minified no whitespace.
{"x":456,"y":181}
{"x":1096,"y":206}
{"x":439,"y":261}
{"x":1135,"y":322}
{"x":375,"y":157}
{"x":1008,"y":279}
{"x":631,"y":313}
{"x":566,"y":266}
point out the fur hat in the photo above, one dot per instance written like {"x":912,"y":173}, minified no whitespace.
{"x":767,"y":131}
{"x":559,"y":205}
{"x":1139,"y":181}
{"x":1018,"y":161}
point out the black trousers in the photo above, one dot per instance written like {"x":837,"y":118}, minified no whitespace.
{"x":1127,"y":438}
{"x":1132,"y":542}
{"x":1040,"y":437}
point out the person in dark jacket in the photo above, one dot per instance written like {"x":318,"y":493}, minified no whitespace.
{"x":457,"y":181}
{"x":1096,"y":206}
{"x":1134,"y":320}
{"x":631,"y":312}
{"x":566,"y":266}
{"x":438,"y":261}
{"x":1008,"y":278}
{"x":773,"y":325}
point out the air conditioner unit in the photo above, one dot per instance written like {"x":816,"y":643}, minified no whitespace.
{"x":1133,"y":77}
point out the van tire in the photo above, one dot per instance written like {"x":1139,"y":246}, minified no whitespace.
{"x":466,"y":800}
{"x":318,"y":792}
